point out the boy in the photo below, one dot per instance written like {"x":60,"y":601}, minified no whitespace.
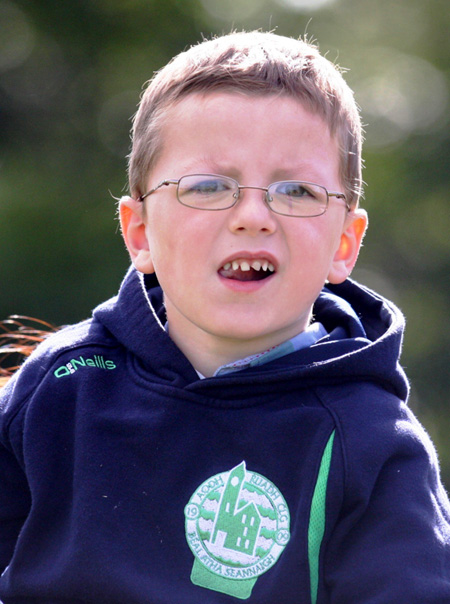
{"x":228,"y":428}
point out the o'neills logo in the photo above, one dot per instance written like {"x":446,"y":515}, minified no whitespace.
{"x":73,"y":365}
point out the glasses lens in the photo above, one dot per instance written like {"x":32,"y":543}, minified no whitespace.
{"x":207,"y":191}
{"x":293,"y":198}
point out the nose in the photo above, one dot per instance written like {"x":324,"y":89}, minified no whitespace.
{"x":251,"y":213}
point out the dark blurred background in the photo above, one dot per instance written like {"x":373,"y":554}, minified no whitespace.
{"x":71,"y":72}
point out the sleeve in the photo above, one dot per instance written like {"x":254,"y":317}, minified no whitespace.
{"x":15,"y":498}
{"x":391,"y":541}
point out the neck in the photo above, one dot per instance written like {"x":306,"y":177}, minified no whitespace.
{"x":207,"y":352}
{"x":207,"y":357}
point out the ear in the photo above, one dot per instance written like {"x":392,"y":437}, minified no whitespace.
{"x":133,"y":225}
{"x":350,"y":243}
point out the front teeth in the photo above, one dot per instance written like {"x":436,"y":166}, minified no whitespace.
{"x":245,"y":266}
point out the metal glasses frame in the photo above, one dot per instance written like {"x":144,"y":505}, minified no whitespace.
{"x":236,"y":196}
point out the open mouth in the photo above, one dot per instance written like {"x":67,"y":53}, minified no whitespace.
{"x":247,"y":270}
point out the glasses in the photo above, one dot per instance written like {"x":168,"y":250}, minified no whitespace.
{"x":213,"y":192}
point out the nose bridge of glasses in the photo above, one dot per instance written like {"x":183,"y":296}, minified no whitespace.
{"x":264,"y":189}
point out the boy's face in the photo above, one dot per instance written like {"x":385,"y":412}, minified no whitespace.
{"x":257,"y":141}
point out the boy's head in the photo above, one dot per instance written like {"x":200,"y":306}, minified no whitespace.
{"x":227,"y":141}
{"x":254,"y":63}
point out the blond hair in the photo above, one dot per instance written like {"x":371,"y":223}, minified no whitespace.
{"x":253,"y":63}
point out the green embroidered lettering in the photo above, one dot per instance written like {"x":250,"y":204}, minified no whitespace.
{"x":61,"y":372}
{"x":74,"y":365}
{"x":81,"y":363}
{"x":237,"y":526}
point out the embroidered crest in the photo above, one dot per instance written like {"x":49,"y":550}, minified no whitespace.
{"x":237,"y":525}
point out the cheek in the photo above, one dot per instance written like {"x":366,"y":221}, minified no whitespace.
{"x":313,"y":248}
{"x":177,"y":240}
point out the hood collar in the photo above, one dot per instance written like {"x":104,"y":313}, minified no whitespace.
{"x":365,"y":333}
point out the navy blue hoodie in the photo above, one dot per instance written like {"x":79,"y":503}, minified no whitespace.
{"x":126,"y":479}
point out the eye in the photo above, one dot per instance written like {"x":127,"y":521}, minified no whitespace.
{"x":204,"y":185}
{"x":295,"y":190}
{"x":295,"y":198}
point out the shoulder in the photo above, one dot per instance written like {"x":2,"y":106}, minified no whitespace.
{"x":45,"y":359}
{"x":383,"y":445}
{"x":374,"y":428}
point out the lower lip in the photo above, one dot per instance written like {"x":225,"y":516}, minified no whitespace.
{"x":245,"y":286}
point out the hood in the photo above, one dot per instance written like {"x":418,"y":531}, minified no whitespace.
{"x":364,"y":341}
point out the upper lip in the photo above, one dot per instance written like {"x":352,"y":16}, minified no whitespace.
{"x":250,"y":257}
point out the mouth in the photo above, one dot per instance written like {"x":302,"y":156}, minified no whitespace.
{"x":242,"y":269}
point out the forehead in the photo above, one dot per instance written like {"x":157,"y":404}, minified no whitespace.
{"x":231,"y":128}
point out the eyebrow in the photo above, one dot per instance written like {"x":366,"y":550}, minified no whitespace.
{"x":301,"y":171}
{"x":304,"y":171}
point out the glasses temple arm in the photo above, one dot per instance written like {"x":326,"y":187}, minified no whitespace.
{"x":161,"y":184}
{"x":340,"y":196}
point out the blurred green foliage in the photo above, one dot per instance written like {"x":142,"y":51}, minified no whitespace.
{"x":70,"y":78}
